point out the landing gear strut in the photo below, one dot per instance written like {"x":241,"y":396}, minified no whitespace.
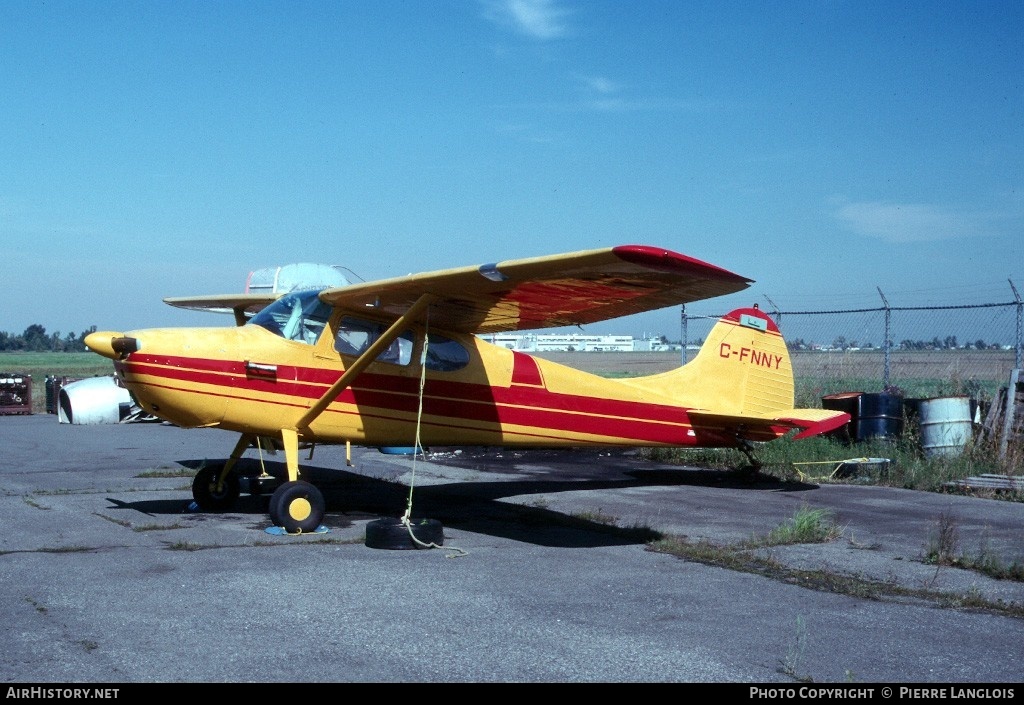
{"x":214,"y":492}
{"x":747,"y":448}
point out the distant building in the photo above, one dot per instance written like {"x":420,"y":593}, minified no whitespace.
{"x":576,"y":342}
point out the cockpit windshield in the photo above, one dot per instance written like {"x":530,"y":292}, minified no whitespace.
{"x":300,"y":316}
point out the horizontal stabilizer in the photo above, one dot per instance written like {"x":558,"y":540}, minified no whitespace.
{"x":812,"y":422}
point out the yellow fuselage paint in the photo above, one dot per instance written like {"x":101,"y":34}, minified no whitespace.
{"x":249,"y":380}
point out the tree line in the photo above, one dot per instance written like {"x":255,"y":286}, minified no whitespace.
{"x":947,"y":343}
{"x":36,"y":339}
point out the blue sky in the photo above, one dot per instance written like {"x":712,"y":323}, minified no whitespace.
{"x":825,"y":149}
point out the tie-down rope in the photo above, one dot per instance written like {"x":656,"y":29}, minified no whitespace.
{"x":418,"y":446}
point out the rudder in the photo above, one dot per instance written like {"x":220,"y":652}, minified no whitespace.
{"x":743,"y":368}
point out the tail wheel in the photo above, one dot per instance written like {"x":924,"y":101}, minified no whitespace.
{"x":211,"y":494}
{"x":297,"y":507}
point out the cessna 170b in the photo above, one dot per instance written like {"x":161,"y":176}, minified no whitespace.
{"x":401,"y":362}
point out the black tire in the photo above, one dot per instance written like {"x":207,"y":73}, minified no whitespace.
{"x":297,"y":507}
{"x":392,"y":534}
{"x":206,"y":494}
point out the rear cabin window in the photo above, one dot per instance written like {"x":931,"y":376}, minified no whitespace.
{"x":355,"y":335}
{"x":445,"y":354}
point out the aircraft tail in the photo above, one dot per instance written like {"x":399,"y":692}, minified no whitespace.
{"x":740,"y":384}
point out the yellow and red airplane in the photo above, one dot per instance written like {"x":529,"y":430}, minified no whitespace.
{"x":401,"y":362}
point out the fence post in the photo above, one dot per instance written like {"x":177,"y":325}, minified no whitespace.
{"x":775,"y":313}
{"x":1020,"y":316}
{"x":682,"y":331}
{"x":888,"y":342}
{"x":1009,"y":411}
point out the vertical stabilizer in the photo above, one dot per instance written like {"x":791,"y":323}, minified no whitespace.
{"x":741,"y":383}
{"x":742,"y":368}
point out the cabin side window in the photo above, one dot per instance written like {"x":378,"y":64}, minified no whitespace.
{"x":356,"y":335}
{"x":445,"y":354}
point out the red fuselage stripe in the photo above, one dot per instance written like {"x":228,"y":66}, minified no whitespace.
{"x":467,"y":405}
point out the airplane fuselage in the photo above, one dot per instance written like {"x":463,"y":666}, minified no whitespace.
{"x":247,"y":379}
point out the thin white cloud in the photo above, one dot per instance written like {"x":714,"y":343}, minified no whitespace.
{"x":524,"y":133}
{"x":600,"y":94}
{"x":613,"y":103}
{"x":910,"y":222}
{"x":539,"y":19}
{"x":600,"y":84}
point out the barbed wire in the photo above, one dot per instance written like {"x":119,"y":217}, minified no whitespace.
{"x":896,"y":308}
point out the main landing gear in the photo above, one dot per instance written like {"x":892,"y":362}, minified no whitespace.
{"x":295,"y":505}
{"x":213,"y":493}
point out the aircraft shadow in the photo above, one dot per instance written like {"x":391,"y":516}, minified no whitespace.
{"x":476,"y":506}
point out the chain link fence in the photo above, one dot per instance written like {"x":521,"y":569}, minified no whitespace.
{"x":920,"y":351}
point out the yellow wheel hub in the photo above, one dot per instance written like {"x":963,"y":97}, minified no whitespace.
{"x":299,"y":509}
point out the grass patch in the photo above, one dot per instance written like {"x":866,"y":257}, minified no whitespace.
{"x":112,"y":520}
{"x":598,"y":516}
{"x":323,"y":540}
{"x":58,"y":364}
{"x":806,"y":526}
{"x":739,"y":558}
{"x":816,"y":526}
{"x":145,"y":527}
{"x":815,"y":459}
{"x":31,"y":501}
{"x":167,"y":472}
{"x":795,"y":654}
{"x":159,"y":527}
{"x":944,"y":550}
{"x":188,"y":546}
{"x":40,"y":365}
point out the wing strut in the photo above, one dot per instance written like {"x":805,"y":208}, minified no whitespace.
{"x":240,"y":318}
{"x":368,"y":356}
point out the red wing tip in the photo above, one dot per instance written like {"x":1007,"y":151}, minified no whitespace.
{"x":661,"y":258}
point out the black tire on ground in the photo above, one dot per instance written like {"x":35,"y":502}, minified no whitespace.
{"x":297,"y":507}
{"x":393,"y":534}
{"x":206,"y":493}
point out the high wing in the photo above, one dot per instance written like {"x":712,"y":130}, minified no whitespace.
{"x":263,"y":287}
{"x":544,"y":292}
{"x":242,"y":305}
{"x":224,"y":303}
